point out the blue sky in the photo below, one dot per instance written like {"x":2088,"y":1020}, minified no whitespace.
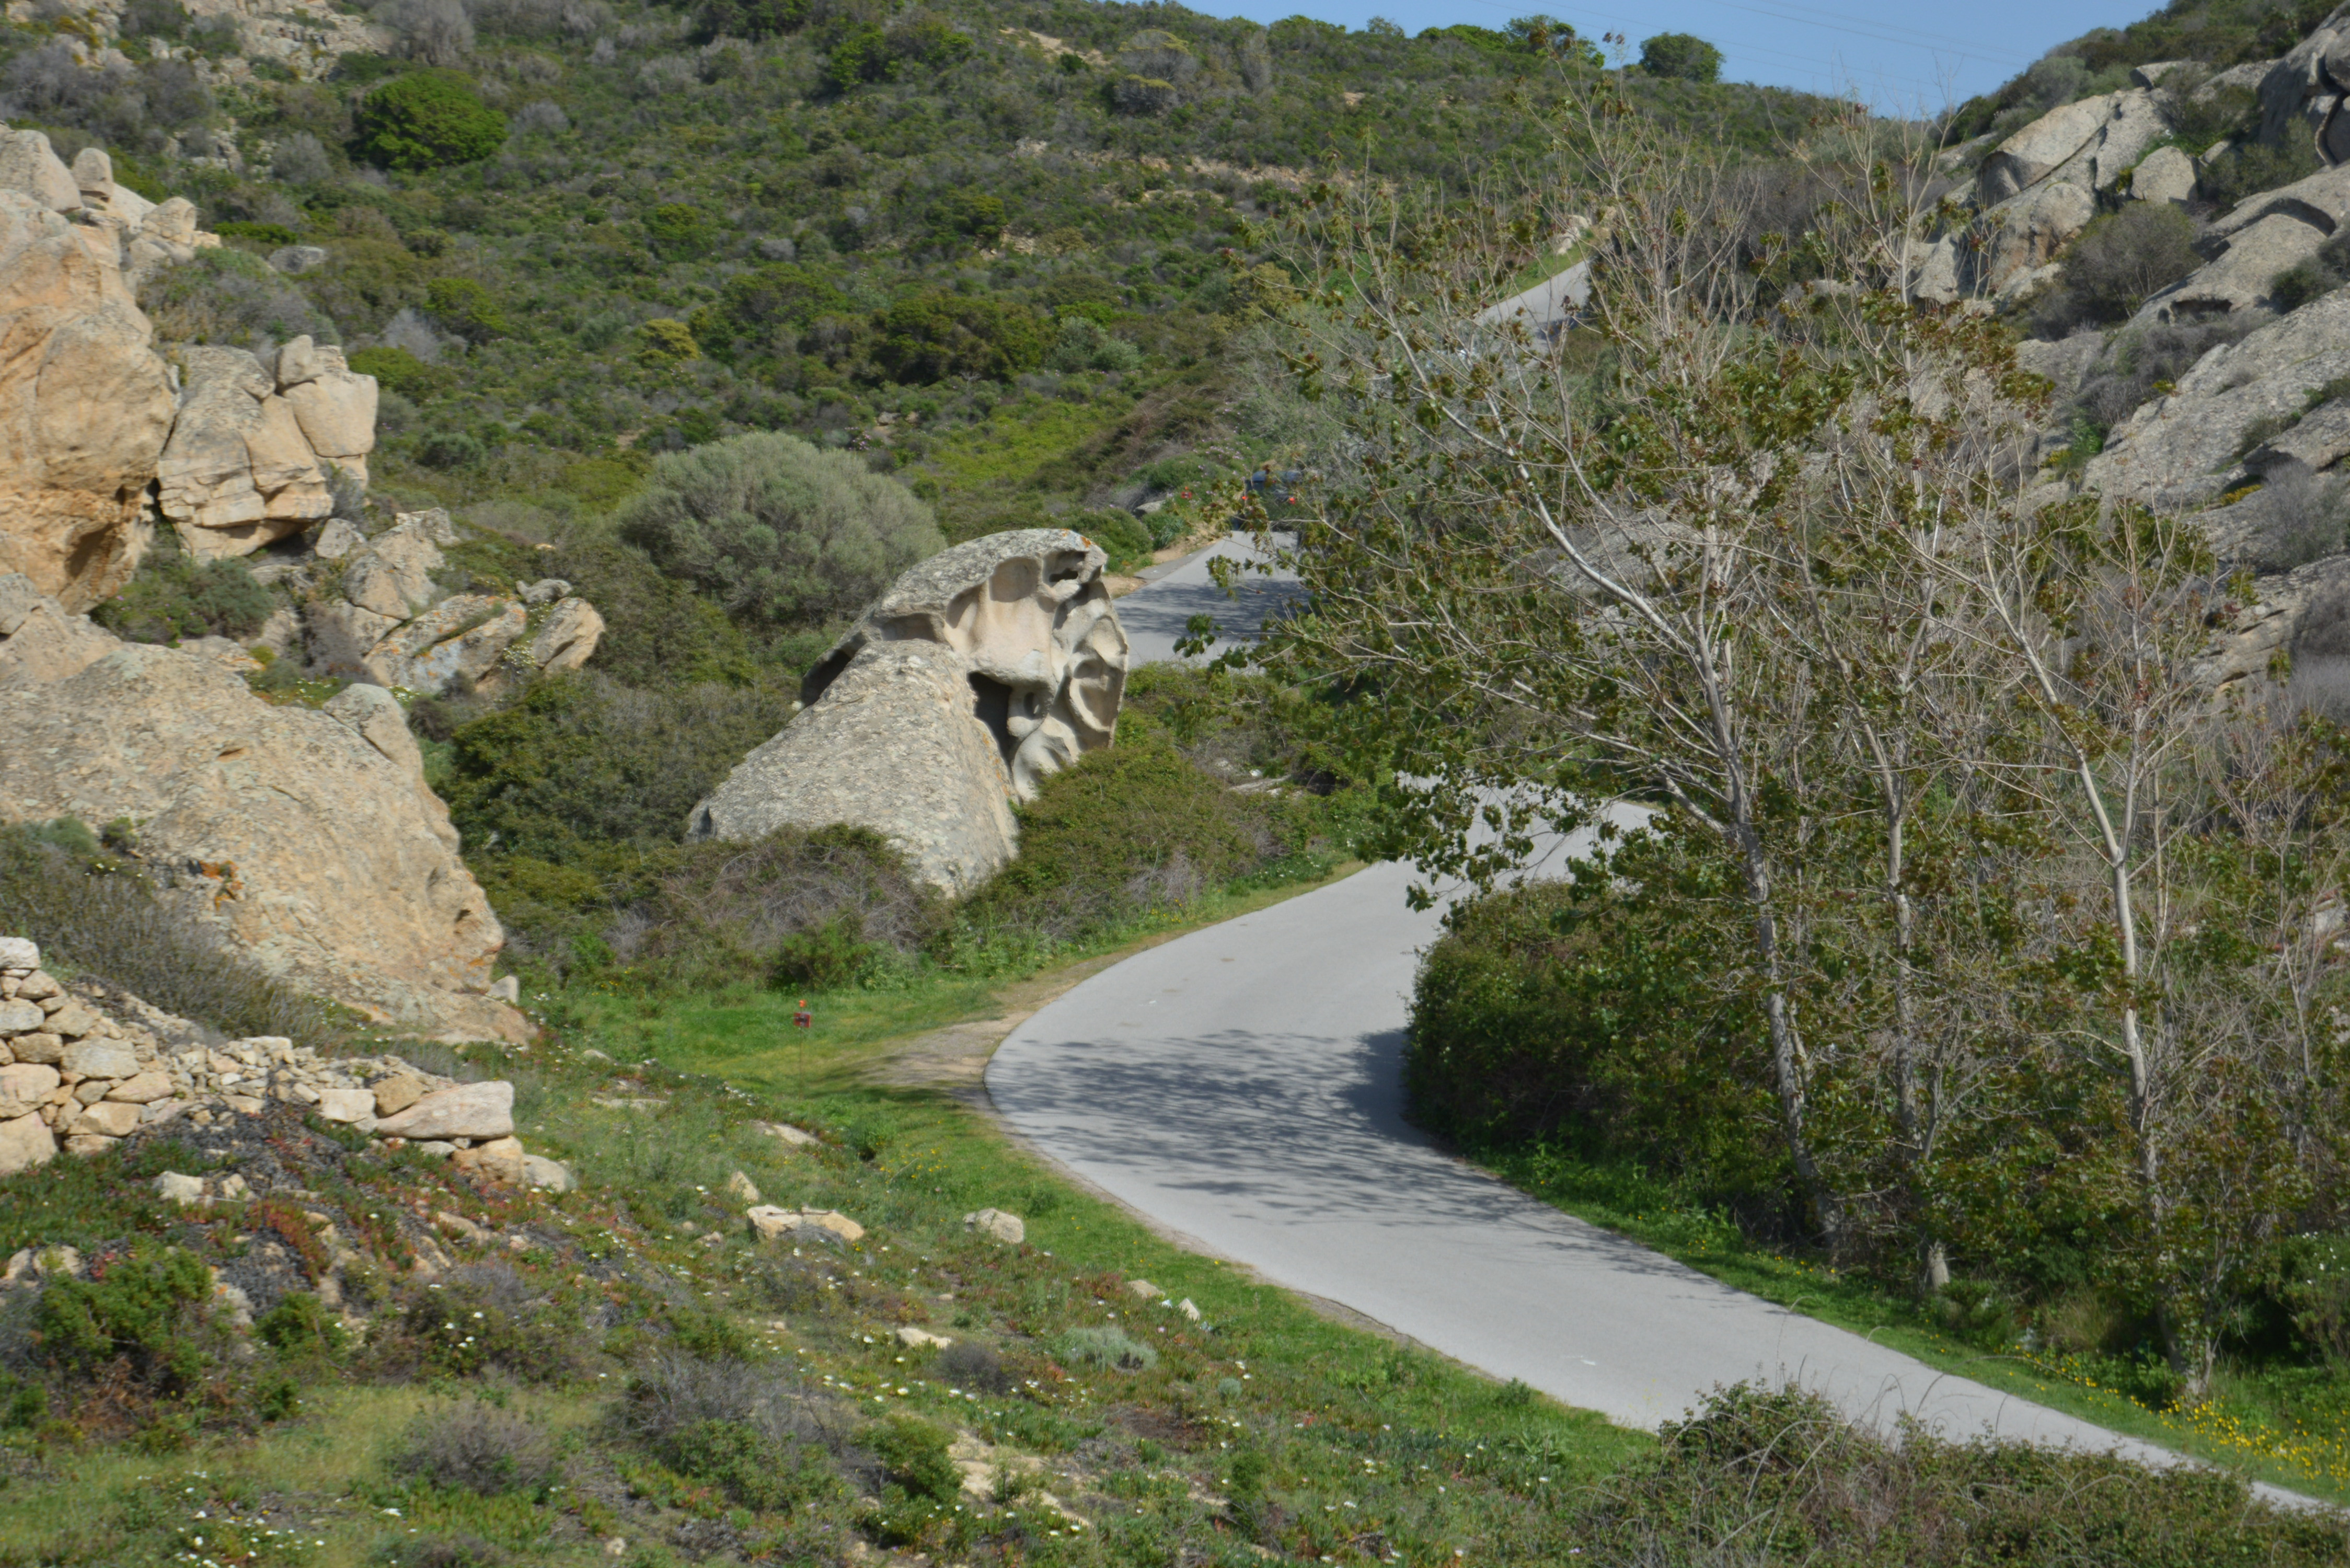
{"x":1898,"y":54}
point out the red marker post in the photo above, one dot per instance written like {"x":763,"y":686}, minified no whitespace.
{"x":803,"y":1019}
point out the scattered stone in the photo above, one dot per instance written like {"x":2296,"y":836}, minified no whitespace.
{"x":1143,"y":1290}
{"x":347,"y":1106}
{"x":26,"y":1141}
{"x":916,"y":1339}
{"x":1188,"y":1310}
{"x":744,"y":1187}
{"x":790,"y":1134}
{"x":468,"y":1110}
{"x":770,"y":1223}
{"x":106,"y":1119}
{"x":995,"y":1222}
{"x":499,"y":1159}
{"x":551,"y":1174}
{"x":173,"y":1188}
{"x":397,"y":1092}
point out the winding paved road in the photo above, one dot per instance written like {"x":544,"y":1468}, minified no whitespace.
{"x":1239,"y":1087}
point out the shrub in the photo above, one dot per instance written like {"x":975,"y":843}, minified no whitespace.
{"x":1122,"y":535}
{"x":765,"y":308}
{"x":1083,"y":344}
{"x":971,"y":1364}
{"x":141,"y":1310}
{"x":1682,"y":56}
{"x":449,"y":449}
{"x":581,"y":762}
{"x":463,"y":307}
{"x":930,"y":337}
{"x":1106,"y":1348}
{"x":2249,"y":167}
{"x":677,"y":229}
{"x":2121,"y":259}
{"x":732,"y":1425}
{"x":662,"y":341}
{"x":300,"y":160}
{"x":975,"y":216}
{"x":913,"y":1455}
{"x":1581,"y":1015}
{"x":398,"y":371}
{"x":426,"y":119}
{"x":230,"y":296}
{"x":479,"y":1448}
{"x":102,"y":915}
{"x":1781,"y":1463}
{"x":436,"y":32}
{"x":777,"y":531}
{"x":823,"y":910}
{"x":2314,"y":276}
{"x":1124,"y":831}
{"x":751,"y":20}
{"x":173,"y":595}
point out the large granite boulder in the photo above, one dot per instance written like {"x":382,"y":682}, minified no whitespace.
{"x":334,"y":405}
{"x":310,"y":838}
{"x":2304,"y":93}
{"x":85,"y":406}
{"x":980,"y":671}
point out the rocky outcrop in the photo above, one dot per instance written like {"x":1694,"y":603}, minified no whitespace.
{"x":982,"y":670}
{"x":39,"y":641}
{"x":2185,"y":449}
{"x":309,"y":837}
{"x":237,"y":474}
{"x":385,"y":620}
{"x":84,"y":404}
{"x":2302,"y":94}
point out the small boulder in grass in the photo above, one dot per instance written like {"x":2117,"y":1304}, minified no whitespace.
{"x":995,"y":1222}
{"x":787,"y":1134}
{"x":173,"y":1188}
{"x":553,"y":1174}
{"x":1143,"y":1290}
{"x":744,"y":1187}
{"x":769,"y":1223}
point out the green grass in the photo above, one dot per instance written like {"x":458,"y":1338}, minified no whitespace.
{"x":2293,"y":1432}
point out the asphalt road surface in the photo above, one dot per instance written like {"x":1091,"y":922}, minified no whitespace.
{"x":1154,"y":616}
{"x":1239,"y":1087}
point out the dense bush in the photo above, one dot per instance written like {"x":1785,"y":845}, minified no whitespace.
{"x":175,"y":595}
{"x":146,"y":1312}
{"x":583,"y":764}
{"x":2314,"y":276}
{"x":2121,"y":259}
{"x":1578,"y":1013}
{"x":777,"y":531}
{"x":930,"y":336}
{"x":93,"y":909}
{"x":1682,"y":56}
{"x":1124,"y":831}
{"x":734,"y":1425}
{"x":426,"y":119}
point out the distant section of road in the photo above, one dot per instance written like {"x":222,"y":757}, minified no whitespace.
{"x":1240,"y":1087}
{"x":1156,"y":614}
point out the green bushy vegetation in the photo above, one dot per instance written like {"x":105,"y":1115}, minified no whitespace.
{"x":174,"y":595}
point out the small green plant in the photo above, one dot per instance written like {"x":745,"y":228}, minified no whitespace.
{"x":1106,"y":1348}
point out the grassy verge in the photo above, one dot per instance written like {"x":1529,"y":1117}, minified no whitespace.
{"x":2290,"y":1432}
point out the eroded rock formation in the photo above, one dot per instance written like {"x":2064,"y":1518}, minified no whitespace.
{"x":980,"y":671}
